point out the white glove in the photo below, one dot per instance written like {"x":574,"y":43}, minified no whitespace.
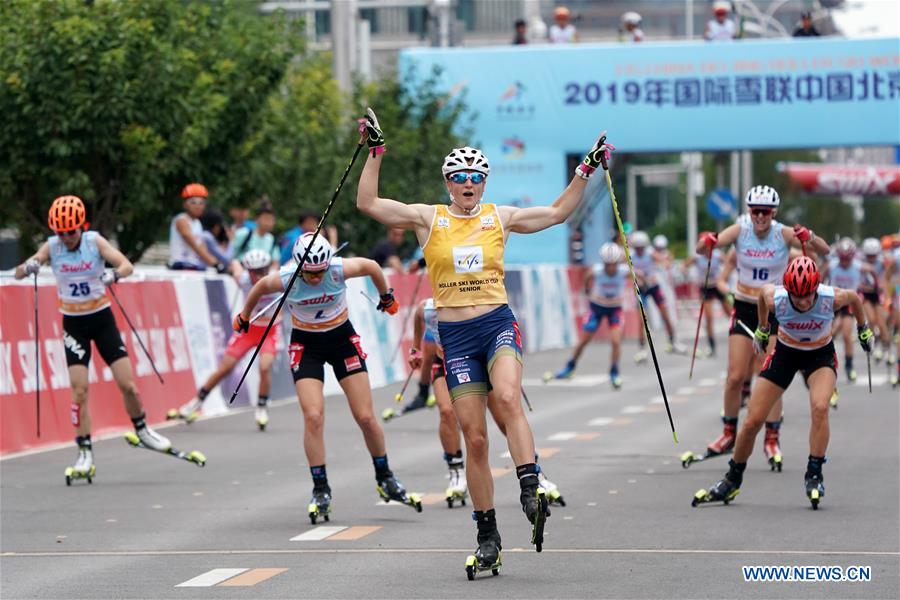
{"x":32,"y":266}
{"x":109,"y":277}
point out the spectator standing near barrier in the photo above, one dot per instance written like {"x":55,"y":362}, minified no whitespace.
{"x":306,"y":223}
{"x":521,"y":33}
{"x":187,"y":250}
{"x":631,"y":25}
{"x":562,"y":31}
{"x":385,"y":252}
{"x":721,"y":28}
{"x":259,"y":238}
{"x":806,"y":29}
{"x":240,"y":218}
{"x":216,"y":234}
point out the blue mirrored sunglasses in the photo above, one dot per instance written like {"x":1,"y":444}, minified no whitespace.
{"x":464,"y":177}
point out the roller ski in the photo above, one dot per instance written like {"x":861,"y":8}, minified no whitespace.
{"x":187,"y":412}
{"x":615,"y":380}
{"x":150,"y":440}
{"x":725,"y":491}
{"x":723,"y":444}
{"x":486,"y":558}
{"x":83,"y":468}
{"x":833,"y":402}
{"x":674,"y":347}
{"x":536,"y":508}
{"x":419,"y":401}
{"x":815,"y":488}
{"x":772,"y":449}
{"x":551,"y":490}
{"x":319,"y":505}
{"x":567,"y":372}
{"x":641,"y":356}
{"x":262,"y":416}
{"x":390,"y":489}
{"x":457,"y":490}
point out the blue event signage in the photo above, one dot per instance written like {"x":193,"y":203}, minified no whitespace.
{"x":534,"y":105}
{"x":721,"y":204}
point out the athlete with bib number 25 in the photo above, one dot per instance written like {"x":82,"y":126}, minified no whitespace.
{"x":464,"y":244}
{"x":805,"y":311}
{"x":322,"y":333}
{"x":77,"y":257}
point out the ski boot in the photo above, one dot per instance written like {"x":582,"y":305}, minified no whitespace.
{"x":615,"y":380}
{"x":851,"y":375}
{"x":487,"y":556}
{"x":148,"y":439}
{"x":721,"y":445}
{"x":536,"y":508}
{"x":833,"y":402}
{"x":457,"y":491}
{"x":389,"y":488}
{"x":567,"y":372}
{"x":674,"y":347}
{"x":188,"y":412}
{"x":262,"y":416}
{"x":319,"y":505}
{"x":83,"y":468}
{"x":724,"y":491}
{"x":641,"y":356}
{"x":771,"y":447}
{"x":877,"y":354}
{"x":815,"y":488}
{"x":551,"y":489}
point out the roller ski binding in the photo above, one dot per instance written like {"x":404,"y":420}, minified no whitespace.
{"x":486,"y":558}
{"x":187,"y":412}
{"x":457,"y":491}
{"x":262,"y":416}
{"x":83,"y":468}
{"x":567,"y":372}
{"x":815,"y":488}
{"x":551,"y":490}
{"x":391,"y":489}
{"x":319,"y":505}
{"x":723,"y":444}
{"x":150,"y":440}
{"x":725,"y":491}
{"x":772,"y":449}
{"x":536,"y":508}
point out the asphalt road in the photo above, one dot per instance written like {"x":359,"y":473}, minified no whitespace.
{"x":150,"y":524}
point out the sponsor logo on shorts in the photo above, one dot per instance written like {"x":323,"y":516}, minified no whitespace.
{"x":73,"y":346}
{"x":463,"y":378}
{"x":352,"y":363}
{"x":468,"y":259}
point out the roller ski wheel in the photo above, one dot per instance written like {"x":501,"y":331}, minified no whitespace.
{"x":536,"y":509}
{"x":567,"y":372}
{"x":391,"y":489}
{"x":431,"y":401}
{"x":472,"y":567}
{"x":486,"y":558}
{"x":262,"y":417}
{"x":689,"y":458}
{"x":73,"y":475}
{"x":815,"y":489}
{"x":677,"y":348}
{"x":454,"y":496}
{"x":388,"y":414}
{"x":174,"y":415}
{"x":616,"y":381}
{"x":319,"y":506}
{"x":773,"y":451}
{"x":194,"y":456}
{"x":724,"y":492}
{"x":551,"y":490}
{"x":776,"y":463}
{"x":833,"y":401}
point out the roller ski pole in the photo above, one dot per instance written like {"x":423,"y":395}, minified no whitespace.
{"x":319,"y":505}
{"x":815,"y":488}
{"x":487,"y":557}
{"x":525,"y":398}
{"x":83,"y":468}
{"x":390,"y":489}
{"x":194,"y":456}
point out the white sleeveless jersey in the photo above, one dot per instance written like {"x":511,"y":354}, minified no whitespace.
{"x":431,"y":321}
{"x":721,"y":32}
{"x":245,"y":285}
{"x":179,"y":251}
{"x":806,"y":330}
{"x":714,"y":267}
{"x":319,"y":307}
{"x":645,"y":266}
{"x":78,"y":275}
{"x":869,"y":282}
{"x":759,"y":261}
{"x":607,"y":290}
{"x":848,"y":278}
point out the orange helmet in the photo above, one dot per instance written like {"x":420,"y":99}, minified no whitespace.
{"x":66,"y":214}
{"x":193,"y":190}
{"x":801,"y":277}
{"x":887,"y":242}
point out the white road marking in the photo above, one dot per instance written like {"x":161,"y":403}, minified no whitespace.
{"x":632,"y":410}
{"x":562,"y":436}
{"x":708,"y":382}
{"x":211,"y":578}
{"x":577,"y":381}
{"x":600,"y":421}
{"x":863,"y":380}
{"x":657,"y":400}
{"x":686,"y":390}
{"x":318,"y":534}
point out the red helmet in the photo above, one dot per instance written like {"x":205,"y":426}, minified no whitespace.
{"x":194,"y":190}
{"x":801,"y":277}
{"x":66,"y":214}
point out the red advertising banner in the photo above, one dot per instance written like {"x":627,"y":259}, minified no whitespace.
{"x":153,"y":309}
{"x":838,"y":179}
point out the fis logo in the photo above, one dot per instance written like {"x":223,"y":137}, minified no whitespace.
{"x":468,"y":259}
{"x":487,"y":223}
{"x":443,"y":222}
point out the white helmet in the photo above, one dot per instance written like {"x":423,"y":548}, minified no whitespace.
{"x":631,"y":18}
{"x":846,"y":248}
{"x":320,"y":254}
{"x":721,"y":6}
{"x":256,"y":259}
{"x":871,"y":247}
{"x":660,"y":242}
{"x":610,"y":253}
{"x":762,"y":195}
{"x":640,"y":239}
{"x":466,"y":159}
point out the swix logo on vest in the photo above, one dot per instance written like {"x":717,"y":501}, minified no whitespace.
{"x":323,"y":299}
{"x":84,"y":265}
{"x":764,"y":253}
{"x":805,"y":325}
